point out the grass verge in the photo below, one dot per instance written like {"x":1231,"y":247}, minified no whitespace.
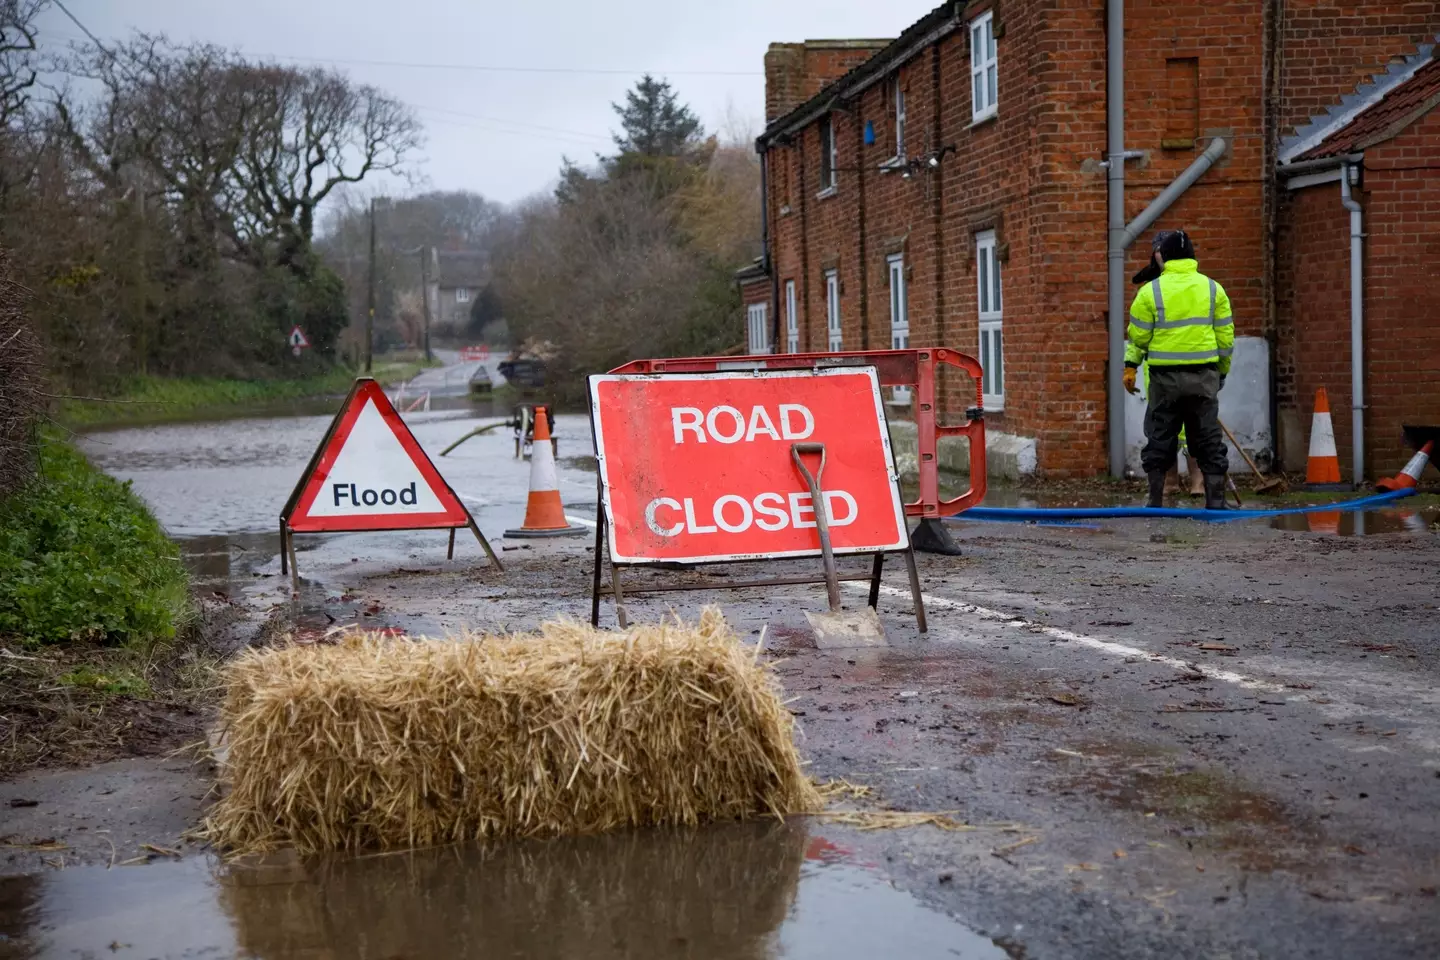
{"x":103,"y":653}
{"x":81,"y":558}
{"x":151,"y":399}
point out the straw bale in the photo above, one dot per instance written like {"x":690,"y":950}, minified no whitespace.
{"x":383,"y":742}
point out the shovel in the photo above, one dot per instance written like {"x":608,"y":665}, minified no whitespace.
{"x":837,"y":628}
{"x":1266,"y":484}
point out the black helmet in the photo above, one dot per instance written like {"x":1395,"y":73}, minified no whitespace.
{"x":1171,"y":245}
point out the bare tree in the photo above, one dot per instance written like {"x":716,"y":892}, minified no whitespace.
{"x":246,"y":152}
{"x":17,"y":56}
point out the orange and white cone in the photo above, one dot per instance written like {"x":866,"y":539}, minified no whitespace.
{"x":544,"y":513}
{"x":1322,"y":472}
{"x":1409,"y":478}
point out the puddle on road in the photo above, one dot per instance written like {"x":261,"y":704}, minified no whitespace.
{"x":1362,"y":523}
{"x":731,"y":892}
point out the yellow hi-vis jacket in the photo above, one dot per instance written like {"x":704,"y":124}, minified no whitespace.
{"x":1181,"y":318}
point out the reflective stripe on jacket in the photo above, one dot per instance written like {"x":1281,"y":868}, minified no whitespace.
{"x":1181,"y":318}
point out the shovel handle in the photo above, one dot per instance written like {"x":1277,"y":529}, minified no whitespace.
{"x":1236,"y":444}
{"x":822,"y":517}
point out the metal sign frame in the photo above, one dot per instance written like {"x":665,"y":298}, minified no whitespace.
{"x":616,"y":588}
{"x":288,"y":563}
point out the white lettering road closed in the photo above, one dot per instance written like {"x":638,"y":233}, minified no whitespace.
{"x":370,"y":474}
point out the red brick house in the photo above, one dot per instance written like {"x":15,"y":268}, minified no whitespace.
{"x":950,"y":187}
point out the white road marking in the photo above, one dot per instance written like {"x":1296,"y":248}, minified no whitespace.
{"x":581,"y":520}
{"x":1109,"y":647}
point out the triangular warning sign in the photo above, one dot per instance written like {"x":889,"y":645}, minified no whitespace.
{"x":297,"y":338}
{"x":370,"y":474}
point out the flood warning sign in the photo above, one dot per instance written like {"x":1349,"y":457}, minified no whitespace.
{"x":371,"y":474}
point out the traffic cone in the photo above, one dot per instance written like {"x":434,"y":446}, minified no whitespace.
{"x":1322,"y":472}
{"x":544,"y":513}
{"x":1408,"y":478}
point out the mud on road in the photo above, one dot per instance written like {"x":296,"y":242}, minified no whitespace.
{"x":1219,"y":741}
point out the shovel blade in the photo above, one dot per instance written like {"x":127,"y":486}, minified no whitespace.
{"x":839,"y":629}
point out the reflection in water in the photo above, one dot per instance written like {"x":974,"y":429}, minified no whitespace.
{"x":719,"y":893}
{"x":740,"y":891}
{"x":19,"y":897}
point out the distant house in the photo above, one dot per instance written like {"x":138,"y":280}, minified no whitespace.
{"x":456,"y":281}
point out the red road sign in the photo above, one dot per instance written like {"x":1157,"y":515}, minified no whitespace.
{"x":697,"y":467}
{"x":297,"y":338}
{"x":370,"y":474}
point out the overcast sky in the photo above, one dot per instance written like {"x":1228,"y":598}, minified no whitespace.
{"x":501,"y":131}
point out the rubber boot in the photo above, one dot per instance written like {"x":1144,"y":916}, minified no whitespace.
{"x":1215,"y":492}
{"x":1157,"y":488}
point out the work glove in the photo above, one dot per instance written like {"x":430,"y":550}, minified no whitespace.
{"x":1130,"y":380}
{"x":1222,"y":381}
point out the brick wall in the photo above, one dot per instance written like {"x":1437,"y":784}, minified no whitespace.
{"x":1327,"y":47}
{"x":1032,"y":175}
{"x":1402,"y":310}
{"x":1312,"y":348}
{"x":1400,"y":195}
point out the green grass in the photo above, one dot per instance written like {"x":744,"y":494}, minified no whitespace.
{"x":149,"y":399}
{"x":81,"y":558}
{"x":117,"y":681}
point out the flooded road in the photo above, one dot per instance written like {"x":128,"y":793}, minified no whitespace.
{"x":218,"y":487}
{"x":762,"y":891}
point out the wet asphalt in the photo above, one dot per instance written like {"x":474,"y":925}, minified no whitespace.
{"x":1171,"y":740}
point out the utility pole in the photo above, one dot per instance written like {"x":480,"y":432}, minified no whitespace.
{"x":425,"y":254}
{"x":370,"y":300}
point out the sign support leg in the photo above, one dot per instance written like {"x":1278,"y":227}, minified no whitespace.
{"x":599,"y":555}
{"x":289,"y":547}
{"x":619,"y":596}
{"x":450,"y":551}
{"x":284,"y":559}
{"x":875,"y":580}
{"x":489,"y":550}
{"x":915,"y":589}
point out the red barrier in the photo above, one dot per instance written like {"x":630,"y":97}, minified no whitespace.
{"x":896,"y":368}
{"x":469,"y":354}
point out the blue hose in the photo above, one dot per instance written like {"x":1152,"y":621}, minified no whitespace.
{"x":1052,"y":514}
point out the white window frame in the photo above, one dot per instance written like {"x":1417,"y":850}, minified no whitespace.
{"x":792,"y":319}
{"x":989,"y":303}
{"x":899,"y":316}
{"x":833,"y":324}
{"x":462,"y":294}
{"x":984,"y":68}
{"x":757,"y":327}
{"x":829,"y":157}
{"x":899,"y":121}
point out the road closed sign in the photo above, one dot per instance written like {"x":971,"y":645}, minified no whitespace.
{"x":370,"y":473}
{"x":698,"y":467}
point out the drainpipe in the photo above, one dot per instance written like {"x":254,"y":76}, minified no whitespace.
{"x":765,"y":260}
{"x":1170,"y":194}
{"x":1115,"y":159}
{"x":1357,"y":323}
